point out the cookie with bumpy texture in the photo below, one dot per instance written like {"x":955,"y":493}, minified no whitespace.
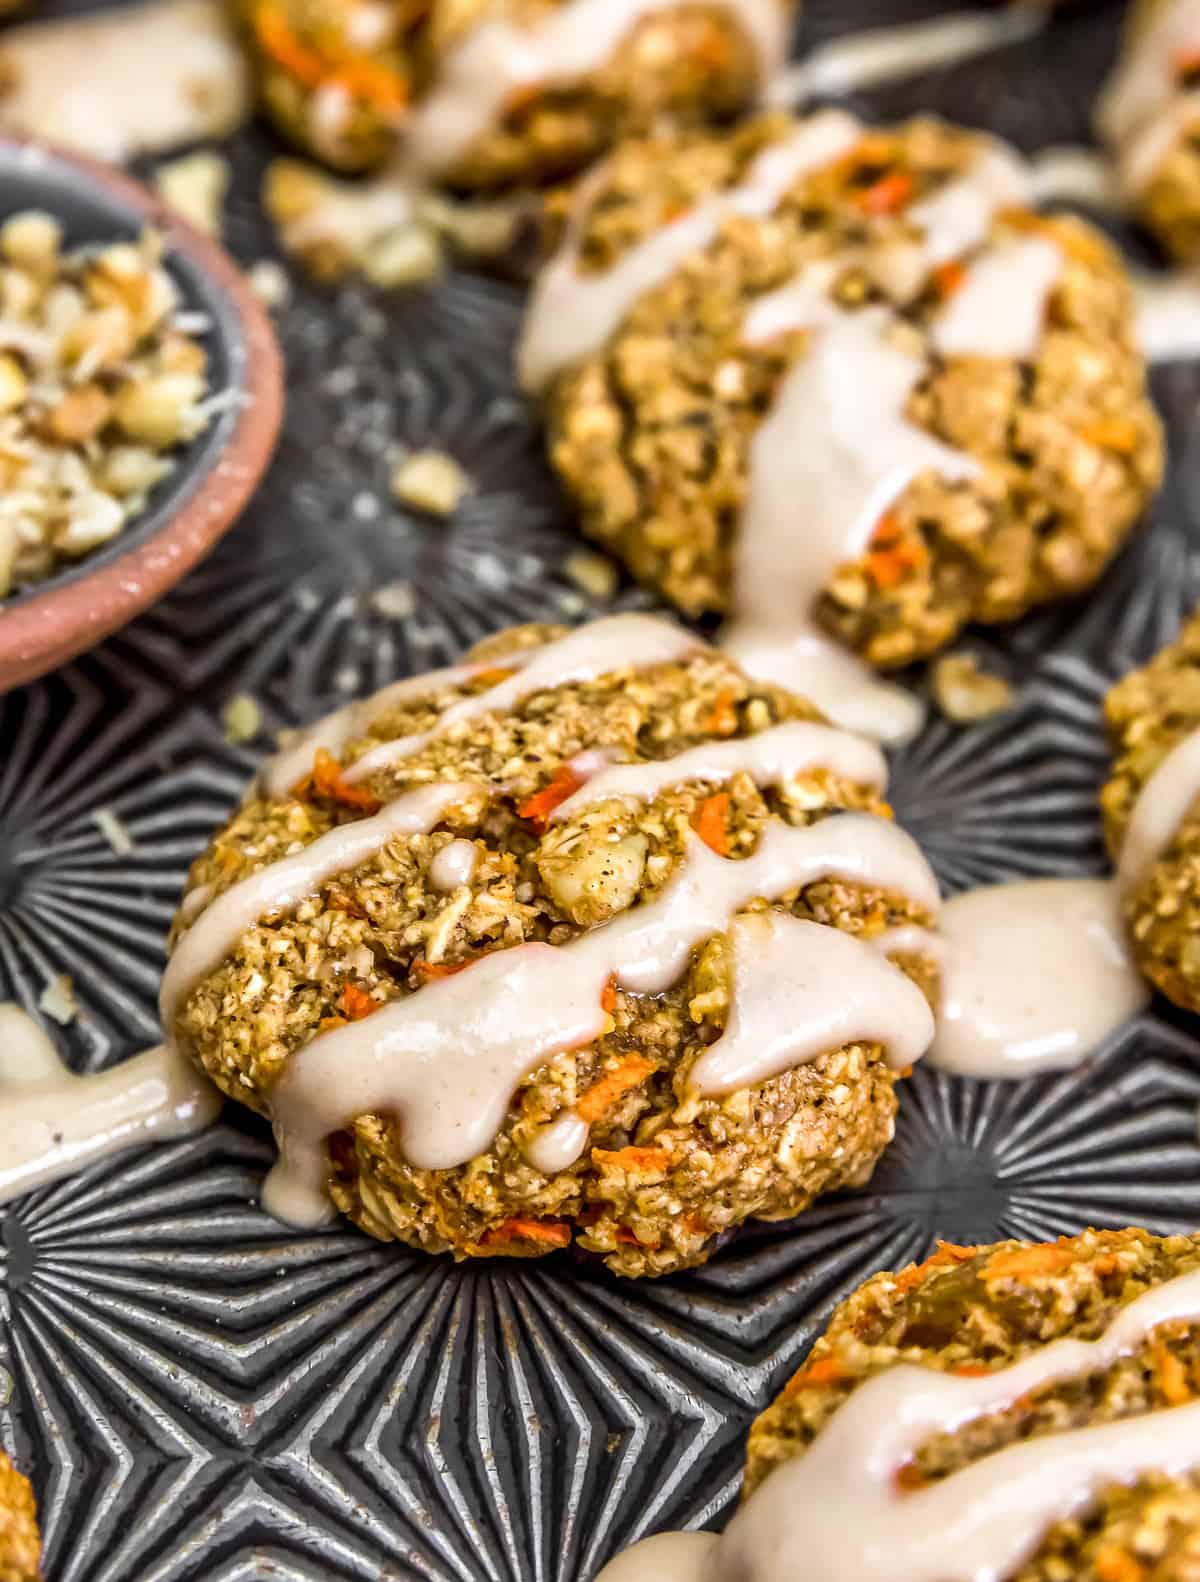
{"x":20,"y":1545}
{"x":1000,"y":444}
{"x":1151,"y":808}
{"x":500,"y":93}
{"x":622,"y":824}
{"x":972,"y":1312}
{"x":1149,"y":116}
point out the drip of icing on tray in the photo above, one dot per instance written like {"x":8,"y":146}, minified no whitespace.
{"x":445,"y":1061}
{"x":497,"y":60}
{"x":53,"y":1122}
{"x":838,"y":1511}
{"x":571,"y":314}
{"x":877,"y":55}
{"x":1035,"y":976}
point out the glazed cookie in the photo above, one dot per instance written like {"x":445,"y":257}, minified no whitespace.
{"x":805,"y":372}
{"x":1025,"y":1413}
{"x":1151,"y":808}
{"x":497,"y":93}
{"x":20,"y":1547}
{"x":508,"y":953}
{"x":1149,"y":116}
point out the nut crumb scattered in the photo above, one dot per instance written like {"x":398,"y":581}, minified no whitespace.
{"x":114,"y":831}
{"x":430,"y":481}
{"x":241,"y":718}
{"x":196,"y":186}
{"x":270,"y":282}
{"x":965,"y":693}
{"x":395,"y":600}
{"x":596,"y":575}
{"x":58,"y":1001}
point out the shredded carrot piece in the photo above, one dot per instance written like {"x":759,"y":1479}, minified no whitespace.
{"x":825,"y":1370}
{"x":947,"y":1253}
{"x":1028,"y":1263}
{"x":1171,"y":1375}
{"x":948,"y":278}
{"x":552,"y":1232}
{"x":330,"y":1024}
{"x":892,"y":554}
{"x":326,"y":780}
{"x":1185,"y":61}
{"x":487,"y":679}
{"x":709,"y":823}
{"x":1112,"y":433}
{"x":971,"y":1370}
{"x":1117,"y":1565}
{"x":285,"y":49}
{"x":640,"y":1159}
{"x":368,"y":80}
{"x":438,"y":969}
{"x":627,"y":1238}
{"x":889,"y":193}
{"x":312,"y":68}
{"x":608,"y":997}
{"x":538,"y":808}
{"x":909,"y":1478}
{"x":602,"y":1095}
{"x":355,"y":1003}
{"x":722,"y":720}
{"x":1107,"y":1263}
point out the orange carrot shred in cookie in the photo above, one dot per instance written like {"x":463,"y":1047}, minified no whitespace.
{"x":889,"y":193}
{"x":438,"y":969}
{"x":1027,"y":1263}
{"x":644,"y":1159}
{"x":948,"y":278}
{"x":722,"y":720}
{"x":550,"y":1231}
{"x":355,"y":1003}
{"x":326,"y":780}
{"x":709,"y":823}
{"x":538,"y":808}
{"x":602,"y":1095}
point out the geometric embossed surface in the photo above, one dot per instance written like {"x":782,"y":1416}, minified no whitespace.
{"x":199,"y":1393}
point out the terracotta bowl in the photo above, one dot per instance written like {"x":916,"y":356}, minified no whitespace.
{"x":214,"y":476}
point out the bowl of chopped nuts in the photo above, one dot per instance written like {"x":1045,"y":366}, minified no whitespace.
{"x":141,"y":391}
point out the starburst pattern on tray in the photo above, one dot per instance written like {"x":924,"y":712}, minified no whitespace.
{"x":203,"y":1396}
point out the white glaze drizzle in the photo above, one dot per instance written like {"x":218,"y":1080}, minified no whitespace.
{"x":331,"y":734}
{"x":498,"y":59}
{"x":1000,"y":308}
{"x":876,"y":55}
{"x":782,"y":1013}
{"x":1035,"y":975}
{"x":837,"y":1511}
{"x":837,"y":451}
{"x":571,"y":314}
{"x":139,"y":81}
{"x":454,"y":865}
{"x":445,"y":1061}
{"x":772,"y":758}
{"x":833,"y":455}
{"x":619,"y":642}
{"x":1159,"y":810}
{"x":284,"y":884}
{"x":1073,"y":173}
{"x":1142,"y":109}
{"x":1168,"y":314}
{"x":667,"y":1557}
{"x":801,"y":989}
{"x":53,"y":1122}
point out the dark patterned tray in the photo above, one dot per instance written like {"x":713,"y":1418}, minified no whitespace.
{"x":199,"y":1393}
